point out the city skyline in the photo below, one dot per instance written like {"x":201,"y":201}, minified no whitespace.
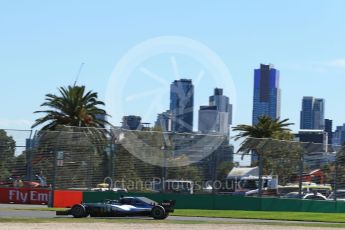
{"x":319,"y":101}
{"x":306,"y":50}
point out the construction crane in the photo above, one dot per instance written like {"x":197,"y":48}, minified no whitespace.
{"x":78,"y":74}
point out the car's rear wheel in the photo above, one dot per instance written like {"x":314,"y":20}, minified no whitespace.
{"x":78,"y":211}
{"x":158,"y":213}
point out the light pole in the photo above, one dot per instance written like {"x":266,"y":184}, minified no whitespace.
{"x":163,"y":168}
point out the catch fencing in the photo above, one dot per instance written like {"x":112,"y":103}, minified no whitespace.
{"x":166,"y":162}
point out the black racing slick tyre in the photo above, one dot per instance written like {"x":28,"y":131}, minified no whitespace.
{"x":158,"y":213}
{"x":78,"y":211}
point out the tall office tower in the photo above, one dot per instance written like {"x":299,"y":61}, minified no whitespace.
{"x":329,"y":130}
{"x":307,"y":120}
{"x":319,"y":113}
{"x":339,"y":135}
{"x":313,"y":113}
{"x":266,"y":99}
{"x":217,"y":116}
{"x":182,"y":105}
{"x":222,"y":103}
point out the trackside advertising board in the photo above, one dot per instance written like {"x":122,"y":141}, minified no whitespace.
{"x":24,"y":195}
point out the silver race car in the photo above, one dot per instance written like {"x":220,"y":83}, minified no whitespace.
{"x":125,"y":206}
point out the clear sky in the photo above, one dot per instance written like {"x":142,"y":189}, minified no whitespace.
{"x":42,"y":44}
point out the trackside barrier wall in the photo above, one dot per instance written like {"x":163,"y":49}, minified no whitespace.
{"x":226,"y":202}
{"x":67,"y":198}
{"x":62,"y":198}
{"x":24,"y":195}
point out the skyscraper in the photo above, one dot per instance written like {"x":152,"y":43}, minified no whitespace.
{"x":266,"y":100}
{"x":313,"y":113}
{"x":307,"y":120}
{"x":217,"y":116}
{"x":319,"y":113}
{"x":339,"y":135}
{"x":182,"y":105}
{"x":222,"y":103}
{"x":329,"y":130}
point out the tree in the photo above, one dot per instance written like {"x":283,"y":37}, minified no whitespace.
{"x":266,"y":127}
{"x":265,"y":139}
{"x":73,"y":107}
{"x":78,"y":122}
{"x":7,"y":150}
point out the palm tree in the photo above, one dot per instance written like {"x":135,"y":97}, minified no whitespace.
{"x":257,"y":135}
{"x":266,"y":127}
{"x":79,"y":120}
{"x":73,"y":107}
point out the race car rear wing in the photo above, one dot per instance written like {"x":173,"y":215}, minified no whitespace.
{"x":168,"y":205}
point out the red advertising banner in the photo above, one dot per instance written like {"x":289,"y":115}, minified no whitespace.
{"x":24,"y":195}
{"x":66,"y":199}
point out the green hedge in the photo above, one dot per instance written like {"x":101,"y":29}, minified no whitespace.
{"x":227,"y":202}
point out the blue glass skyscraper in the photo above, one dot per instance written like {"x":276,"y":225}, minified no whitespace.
{"x":313,"y":113}
{"x":266,"y":99}
{"x":307,"y":118}
{"x":182,"y":105}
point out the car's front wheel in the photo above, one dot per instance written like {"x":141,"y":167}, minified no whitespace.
{"x":158,"y":213}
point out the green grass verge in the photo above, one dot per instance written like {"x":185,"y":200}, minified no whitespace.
{"x":297,"y":216}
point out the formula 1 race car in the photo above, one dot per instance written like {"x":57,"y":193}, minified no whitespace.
{"x":125,"y":206}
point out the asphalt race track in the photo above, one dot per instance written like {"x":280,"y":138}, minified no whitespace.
{"x":8,"y":210}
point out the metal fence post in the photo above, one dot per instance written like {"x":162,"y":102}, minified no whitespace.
{"x":260,"y":158}
{"x":261,"y":163}
{"x":215,"y":167}
{"x":336,"y":176}
{"x":55,"y":158}
{"x":29,"y":157}
{"x":301,"y":169}
{"x":300,"y":174}
{"x":90,"y":168}
{"x":114,"y":153}
{"x":110,"y":164}
{"x":164,"y":170}
{"x":53,"y":187}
